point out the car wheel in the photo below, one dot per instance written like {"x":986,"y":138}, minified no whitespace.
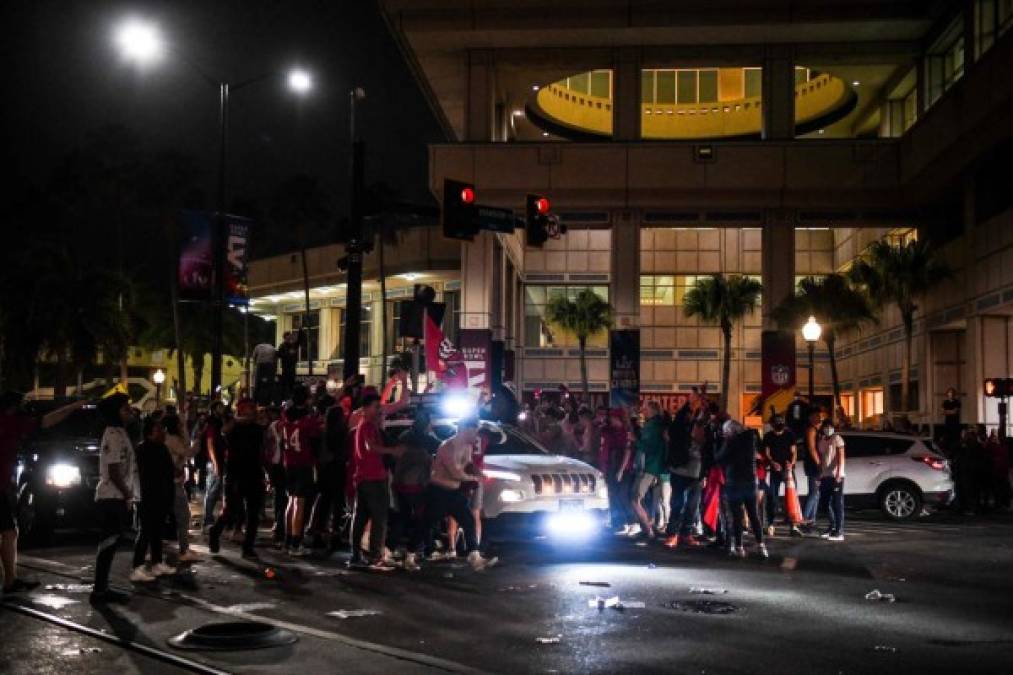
{"x":33,"y":526}
{"x":900,"y":501}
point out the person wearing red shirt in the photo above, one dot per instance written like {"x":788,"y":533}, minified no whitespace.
{"x":301,"y":426}
{"x":372,"y":492}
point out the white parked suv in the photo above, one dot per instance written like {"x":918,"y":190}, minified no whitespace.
{"x":528,"y":487}
{"x":899,"y":474}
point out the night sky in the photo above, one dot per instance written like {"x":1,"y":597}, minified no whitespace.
{"x":65,"y":80}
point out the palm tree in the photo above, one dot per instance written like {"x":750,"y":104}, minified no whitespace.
{"x":900,"y":275}
{"x":838,"y":306}
{"x":586,"y":315}
{"x":723,"y":300}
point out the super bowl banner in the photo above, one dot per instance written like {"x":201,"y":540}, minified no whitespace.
{"x":237,"y":242}
{"x":777,"y":359}
{"x":476,"y":348}
{"x":196,"y":268}
{"x":624,"y":368}
{"x":443,"y":357}
{"x":195,"y":273}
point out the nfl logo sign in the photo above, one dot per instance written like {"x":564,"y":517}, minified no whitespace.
{"x":779,"y":375}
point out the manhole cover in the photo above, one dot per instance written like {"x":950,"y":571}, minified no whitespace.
{"x":232,"y":635}
{"x":702,"y":606}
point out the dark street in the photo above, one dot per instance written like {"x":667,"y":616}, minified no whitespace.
{"x":803,"y":611}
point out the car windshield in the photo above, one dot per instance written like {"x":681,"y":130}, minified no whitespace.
{"x":84,"y":423}
{"x":516,"y":442}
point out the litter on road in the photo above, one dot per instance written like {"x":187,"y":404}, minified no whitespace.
{"x":353,"y":613}
{"x":708,"y":591}
{"x":885,"y":648}
{"x":602,"y":584}
{"x":551,"y":640}
{"x":614,"y":603}
{"x":876,"y":596}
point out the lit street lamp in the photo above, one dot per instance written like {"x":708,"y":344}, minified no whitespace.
{"x":141,"y":43}
{"x":811,"y":331}
{"x":159,"y":379}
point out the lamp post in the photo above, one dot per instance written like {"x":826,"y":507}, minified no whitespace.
{"x":142,"y":44}
{"x":159,"y":379}
{"x":355,"y":247}
{"x":811,"y":331}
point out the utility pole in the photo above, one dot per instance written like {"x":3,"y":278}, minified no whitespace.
{"x":355,"y":247}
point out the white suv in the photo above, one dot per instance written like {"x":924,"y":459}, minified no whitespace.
{"x":527,"y":486}
{"x":894,"y":472}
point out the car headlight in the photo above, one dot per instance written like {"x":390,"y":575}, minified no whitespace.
{"x":63,"y":475}
{"x":458,"y":406}
{"x":497,"y":474}
{"x":511,"y":496}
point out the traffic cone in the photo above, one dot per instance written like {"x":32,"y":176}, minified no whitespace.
{"x":791,"y":504}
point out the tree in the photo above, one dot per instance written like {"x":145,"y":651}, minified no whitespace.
{"x":836,"y":304}
{"x":585,"y":315}
{"x":723,"y":300}
{"x":900,"y":275}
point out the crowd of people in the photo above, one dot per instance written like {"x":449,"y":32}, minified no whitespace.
{"x":698,"y":476}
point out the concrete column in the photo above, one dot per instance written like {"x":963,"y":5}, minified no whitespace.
{"x":778,"y":95}
{"x":626,"y":95}
{"x":778,"y":261}
{"x":480,"y":109}
{"x":376,"y":373}
{"x":625,"y":288}
{"x":970,"y":48}
{"x":477,"y":282}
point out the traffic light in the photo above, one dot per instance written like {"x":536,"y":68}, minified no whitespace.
{"x":998,"y":387}
{"x":460,"y":214}
{"x":536,"y":220}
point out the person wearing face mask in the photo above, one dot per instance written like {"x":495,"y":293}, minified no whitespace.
{"x":831,"y":455}
{"x":737,"y":455}
{"x":780,"y":451}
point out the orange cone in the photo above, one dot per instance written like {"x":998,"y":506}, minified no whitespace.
{"x":791,"y":504}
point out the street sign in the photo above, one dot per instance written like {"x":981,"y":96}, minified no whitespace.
{"x":496,"y":219}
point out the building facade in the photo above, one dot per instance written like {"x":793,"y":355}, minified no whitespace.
{"x":760,"y":140}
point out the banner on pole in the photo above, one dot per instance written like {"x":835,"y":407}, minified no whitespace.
{"x":777,"y":356}
{"x":476,"y":348}
{"x":196,"y":269}
{"x":624,"y":367}
{"x":237,"y":244}
{"x":442,"y":357}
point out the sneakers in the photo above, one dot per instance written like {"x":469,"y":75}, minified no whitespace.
{"x":796,"y":532}
{"x":691,"y":541}
{"x":825,"y":535}
{"x":435,"y":556}
{"x":734,"y":552}
{"x":672,"y":542}
{"x":20,"y":586}
{"x":761,"y":550}
{"x":633,"y":531}
{"x":189,"y":556}
{"x":356,"y":562}
{"x":141,"y":576}
{"x":622,"y":531}
{"x":836,"y":537}
{"x":410,"y":563}
{"x":162,"y":570}
{"x":300,"y":551}
{"x":478,"y":563}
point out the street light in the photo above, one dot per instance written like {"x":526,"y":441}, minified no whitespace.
{"x":811,"y":331}
{"x":159,"y":379}
{"x":142,"y":43}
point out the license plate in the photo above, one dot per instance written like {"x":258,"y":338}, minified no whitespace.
{"x":571,"y":504}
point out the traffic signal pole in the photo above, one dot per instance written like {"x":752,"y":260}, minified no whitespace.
{"x":218,"y":246}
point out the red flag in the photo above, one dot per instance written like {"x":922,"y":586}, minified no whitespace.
{"x":443,"y":358}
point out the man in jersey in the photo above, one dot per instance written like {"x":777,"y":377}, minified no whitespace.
{"x":474,"y":492}
{"x":301,"y":426}
{"x":372,"y":492}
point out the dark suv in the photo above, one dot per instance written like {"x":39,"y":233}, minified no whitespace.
{"x":57,"y":473}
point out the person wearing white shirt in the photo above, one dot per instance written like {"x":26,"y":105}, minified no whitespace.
{"x":830,"y":446}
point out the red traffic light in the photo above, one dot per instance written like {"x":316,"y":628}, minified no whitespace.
{"x":542,"y":205}
{"x":468,"y":195}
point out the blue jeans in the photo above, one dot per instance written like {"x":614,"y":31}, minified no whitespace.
{"x":832,"y":501}
{"x":212,"y":495}
{"x":685,"y":505}
{"x":743,"y":496}
{"x":812,"y":499}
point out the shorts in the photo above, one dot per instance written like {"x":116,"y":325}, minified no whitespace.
{"x":300,"y":481}
{"x":8,"y":507}
{"x":643,"y":484}
{"x":475,"y":498}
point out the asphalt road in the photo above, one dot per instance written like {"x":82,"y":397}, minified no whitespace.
{"x":802,"y":611}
